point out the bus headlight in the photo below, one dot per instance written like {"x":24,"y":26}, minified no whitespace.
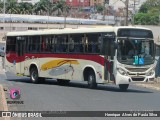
{"x":150,"y":73}
{"x":121,"y":71}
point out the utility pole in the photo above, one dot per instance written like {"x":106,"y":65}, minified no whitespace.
{"x":126,"y":16}
{"x":134,"y":10}
{"x":65,"y":11}
{"x":83,"y":8}
{"x":104,"y":10}
{"x":48,"y":11}
{"x":4,"y":10}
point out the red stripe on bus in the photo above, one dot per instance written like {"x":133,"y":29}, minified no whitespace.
{"x":11,"y":57}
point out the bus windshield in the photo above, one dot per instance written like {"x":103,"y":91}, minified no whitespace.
{"x":134,"y":51}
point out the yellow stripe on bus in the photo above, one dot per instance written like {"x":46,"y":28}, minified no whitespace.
{"x":57,"y":63}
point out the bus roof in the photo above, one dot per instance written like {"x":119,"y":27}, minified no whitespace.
{"x":69,"y":31}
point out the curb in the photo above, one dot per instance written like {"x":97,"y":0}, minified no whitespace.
{"x":3,"y":96}
{"x":4,"y":102}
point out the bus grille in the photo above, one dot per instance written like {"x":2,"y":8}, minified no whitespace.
{"x":137,"y":69}
{"x":136,"y":74}
{"x":137,"y":79}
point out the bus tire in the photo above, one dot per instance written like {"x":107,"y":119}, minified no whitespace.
{"x":63,"y":82}
{"x":123,"y":87}
{"x":92,"y":80}
{"x":34,"y":75}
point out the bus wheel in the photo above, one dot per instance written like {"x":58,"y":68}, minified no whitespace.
{"x":92,"y":80}
{"x":63,"y":82}
{"x":34,"y":75}
{"x":123,"y":87}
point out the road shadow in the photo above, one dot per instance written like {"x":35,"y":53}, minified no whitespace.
{"x":106,"y":87}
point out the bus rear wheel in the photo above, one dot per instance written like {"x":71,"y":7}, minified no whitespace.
{"x":92,"y":80}
{"x":34,"y":75}
{"x":123,"y":87}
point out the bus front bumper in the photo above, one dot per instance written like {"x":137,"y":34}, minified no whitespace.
{"x":124,"y":79}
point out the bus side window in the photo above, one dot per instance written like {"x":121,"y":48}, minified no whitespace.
{"x":27,"y":46}
{"x":33,"y":44}
{"x":58,"y":45}
{"x":99,"y":44}
{"x":45,"y":44}
{"x":37,"y":44}
{"x":64,"y":43}
{"x":92,"y":43}
{"x":48,"y":44}
{"x":30,"y":44}
{"x":71,"y":44}
{"x":55,"y":43}
{"x":76,"y":43}
{"x":11,"y":44}
{"x":53,"y":40}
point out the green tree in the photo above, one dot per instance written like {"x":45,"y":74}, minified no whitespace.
{"x":44,"y":7}
{"x":99,"y":8}
{"x":12,"y":7}
{"x":148,"y":13}
{"x":60,"y":7}
{"x":1,"y":7}
{"x":25,"y":8}
{"x":41,"y":7}
{"x":143,"y":8}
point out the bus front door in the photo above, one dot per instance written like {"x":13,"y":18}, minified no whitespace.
{"x":20,"y":57}
{"x":108,"y":46}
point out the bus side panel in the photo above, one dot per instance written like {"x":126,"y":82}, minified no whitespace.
{"x":74,"y":70}
{"x":65,"y":67}
{"x":10,"y":63}
{"x":51,"y":68}
{"x":29,"y":60}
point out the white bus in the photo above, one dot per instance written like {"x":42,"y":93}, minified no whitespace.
{"x":119,"y":55}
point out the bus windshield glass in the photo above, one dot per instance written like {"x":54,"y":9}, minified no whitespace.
{"x":135,"y":51}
